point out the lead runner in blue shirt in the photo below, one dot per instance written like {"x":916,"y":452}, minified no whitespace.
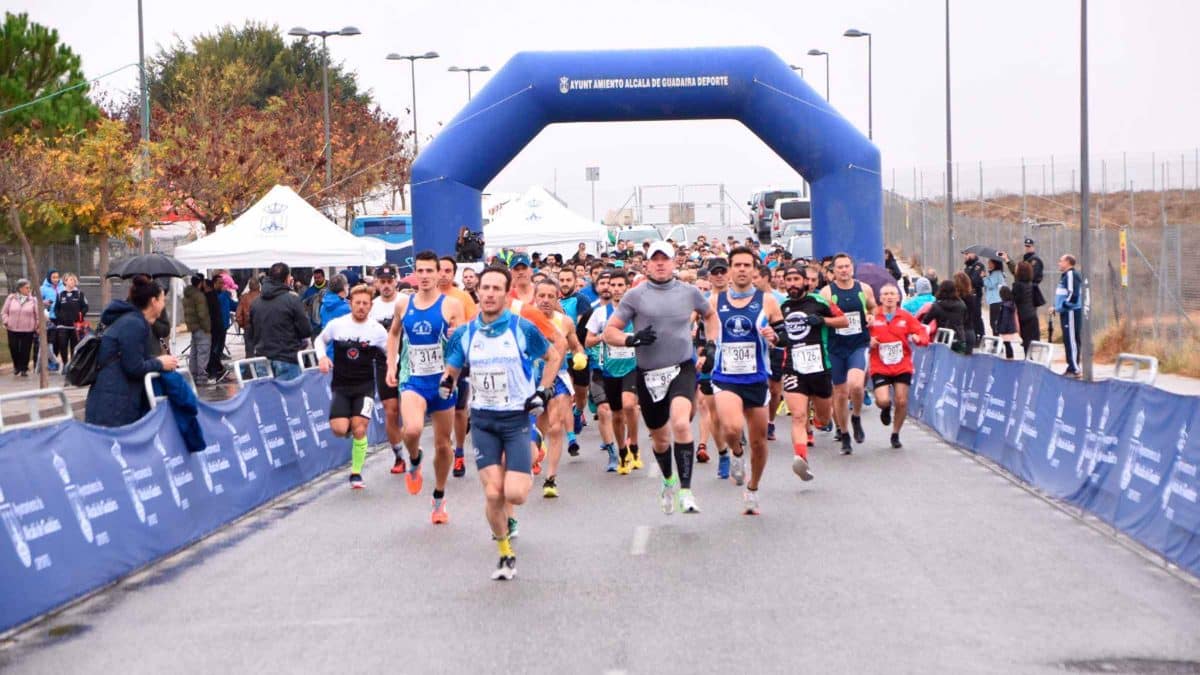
{"x":500,"y":348}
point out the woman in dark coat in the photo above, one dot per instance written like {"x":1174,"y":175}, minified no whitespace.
{"x":118,"y":397}
{"x":966,"y":292}
{"x":1024,"y":297}
{"x":950,"y":311}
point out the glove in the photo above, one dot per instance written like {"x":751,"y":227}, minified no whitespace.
{"x":710,"y":357}
{"x":781,"y":334}
{"x":645,"y":336}
{"x":446,"y":387}
{"x":536,"y":404}
{"x":578,"y":361}
{"x":814,"y":320}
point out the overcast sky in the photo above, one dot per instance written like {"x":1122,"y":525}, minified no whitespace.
{"x":1015,"y":76}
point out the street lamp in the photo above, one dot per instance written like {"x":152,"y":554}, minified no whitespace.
{"x":818,"y":52}
{"x":799,"y":68}
{"x":468,"y":71}
{"x":412,"y":60}
{"x":301,"y":32}
{"x":855,"y":33}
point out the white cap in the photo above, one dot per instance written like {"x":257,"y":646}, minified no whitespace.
{"x":660,"y":247}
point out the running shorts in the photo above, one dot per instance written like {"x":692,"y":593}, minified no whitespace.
{"x":815,"y":385}
{"x":347,"y":403}
{"x":434,"y":403}
{"x":754,"y":395}
{"x":615,"y":386}
{"x":501,"y":438}
{"x":776,"y":357}
{"x":386,"y":393}
{"x":706,"y":386}
{"x":596,"y":389}
{"x":885,"y":380}
{"x":463,"y":393}
{"x":843,"y":362}
{"x":581,"y":378}
{"x":656,"y":414}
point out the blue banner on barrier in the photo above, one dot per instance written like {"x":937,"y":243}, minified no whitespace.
{"x":995,"y":404}
{"x":83,"y":506}
{"x":974,"y":383}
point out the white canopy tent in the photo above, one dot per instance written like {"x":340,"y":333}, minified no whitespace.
{"x":538,"y":221}
{"x":280,"y":227}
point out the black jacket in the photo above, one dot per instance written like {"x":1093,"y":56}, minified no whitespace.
{"x":952,"y":314}
{"x":118,"y":397}
{"x":279,"y":326}
{"x":1023,"y":297}
{"x":70,"y":307}
{"x":975,"y":270}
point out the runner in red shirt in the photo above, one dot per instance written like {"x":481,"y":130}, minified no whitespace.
{"x":891,"y":357}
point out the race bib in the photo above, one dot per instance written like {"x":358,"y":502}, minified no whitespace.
{"x":658,"y":381}
{"x":806,"y":359}
{"x":426,"y":359}
{"x":891,"y":353}
{"x":620,"y":352}
{"x":739,"y":358}
{"x":489,"y":387}
{"x":855,"y":326}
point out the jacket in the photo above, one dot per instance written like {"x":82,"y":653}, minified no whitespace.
{"x":218,"y":318}
{"x":991,"y":287}
{"x":896,"y":329}
{"x":333,"y":306}
{"x":183,"y":402}
{"x":70,"y":308}
{"x":50,"y":293}
{"x":1067,"y":297}
{"x":20,"y":313}
{"x":278,"y":325}
{"x":118,"y":397}
{"x":975,"y":270}
{"x":952,"y":314}
{"x":195,"y":310}
{"x":916,"y":303}
{"x":243,"y":308}
{"x":1023,"y":298}
{"x":1039,"y":268}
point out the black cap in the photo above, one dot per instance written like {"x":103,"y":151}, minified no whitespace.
{"x":318,"y":270}
{"x":717,"y":263}
{"x":1028,"y":241}
{"x":385,"y":272}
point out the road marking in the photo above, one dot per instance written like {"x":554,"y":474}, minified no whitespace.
{"x":641,"y":536}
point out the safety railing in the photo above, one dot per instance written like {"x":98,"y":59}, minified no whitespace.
{"x":1136,"y":368}
{"x":945,"y":336}
{"x":990,"y":344}
{"x":308,"y":359}
{"x":1040,"y":352}
{"x":39,"y":414}
{"x":248,"y":370}
{"x":149,"y":384}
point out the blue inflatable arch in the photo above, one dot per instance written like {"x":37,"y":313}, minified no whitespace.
{"x":748,"y":84}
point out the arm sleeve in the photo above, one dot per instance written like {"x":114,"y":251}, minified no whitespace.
{"x":455,"y":356}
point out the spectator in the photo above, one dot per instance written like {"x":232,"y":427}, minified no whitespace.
{"x":312,"y":298}
{"x":219,"y":307}
{"x":949,"y":311}
{"x":20,"y":317}
{"x":893,"y":267}
{"x":51,"y":287}
{"x":581,"y":255}
{"x":279,"y":326}
{"x":470,"y":281}
{"x":1038,"y":267}
{"x":118,"y":397}
{"x":334,"y":303}
{"x":924,"y":297}
{"x":1024,"y":294}
{"x":253,"y":290}
{"x":1068,"y":302}
{"x":967,"y":294}
{"x":932,"y":275}
{"x":991,"y":292}
{"x":70,"y":308}
{"x":199,"y":324}
{"x":975,"y":273}
{"x":1006,"y":321}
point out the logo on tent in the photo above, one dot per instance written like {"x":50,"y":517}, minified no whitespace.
{"x":274,"y":217}
{"x":564,"y":84}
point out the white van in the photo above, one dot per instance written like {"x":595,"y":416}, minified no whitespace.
{"x":792,"y":217}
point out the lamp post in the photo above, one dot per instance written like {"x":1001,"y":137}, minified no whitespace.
{"x":301,"y":32}
{"x":1085,"y":332}
{"x":468,"y":71}
{"x":818,"y":52}
{"x":412,"y":60}
{"x":855,"y":33}
{"x":145,"y":113}
{"x":799,"y":68}
{"x":949,"y":157}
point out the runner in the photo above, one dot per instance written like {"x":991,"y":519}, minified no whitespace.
{"x":661,"y":312}
{"x":574,"y":305}
{"x":741,"y":369}
{"x":447,"y":268}
{"x":891,"y":357}
{"x":522,"y":279}
{"x":383,"y":310}
{"x":848,"y":348}
{"x":808,"y":318}
{"x":703,"y":381}
{"x":358,"y":345}
{"x":718,"y":276}
{"x":425,"y":320}
{"x":617,"y":395}
{"x":500,"y":348}
{"x":557,"y":417}
{"x":764,"y":281}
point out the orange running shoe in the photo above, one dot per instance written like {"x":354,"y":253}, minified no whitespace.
{"x":399,"y":466}
{"x":439,"y":516}
{"x":414,"y":481}
{"x":541,"y":452}
{"x":460,"y":467}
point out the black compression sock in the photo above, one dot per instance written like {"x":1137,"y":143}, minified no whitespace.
{"x":623,"y":453}
{"x":664,"y":463}
{"x":438,"y":494}
{"x":633,"y":447}
{"x":416,"y":461}
{"x":684,"y":454}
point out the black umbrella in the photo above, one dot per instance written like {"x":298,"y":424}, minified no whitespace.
{"x":154,"y":265}
{"x":984,"y":252}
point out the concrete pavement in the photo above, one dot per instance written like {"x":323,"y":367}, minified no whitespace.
{"x":918,"y":560}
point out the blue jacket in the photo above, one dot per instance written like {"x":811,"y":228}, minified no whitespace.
{"x":1067,"y":296}
{"x":184,"y":404}
{"x":227,"y":307}
{"x":991,"y":287}
{"x":118,"y":397}
{"x":916,"y":302}
{"x":333,"y":306}
{"x":50,"y":294}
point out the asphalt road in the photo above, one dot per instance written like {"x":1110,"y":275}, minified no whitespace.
{"x":918,"y":560}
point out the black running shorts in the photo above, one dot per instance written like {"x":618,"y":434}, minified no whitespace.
{"x":656,"y":414}
{"x":885,"y":380}
{"x":818,"y":385}
{"x":754,"y":395}
{"x":351,"y":403}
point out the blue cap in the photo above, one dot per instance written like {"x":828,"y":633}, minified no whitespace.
{"x":519,"y":259}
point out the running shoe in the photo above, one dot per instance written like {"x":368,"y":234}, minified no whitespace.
{"x":896,"y":441}
{"x":573,"y":449}
{"x":846,"y":449}
{"x":514,"y":529}
{"x":750,"y":503}
{"x":867,"y":400}
{"x":460,"y":466}
{"x":687,"y":502}
{"x":669,"y":494}
{"x":413,"y":480}
{"x":399,"y":466}
{"x":702,"y":454}
{"x":837,"y":435}
{"x":723,"y":465}
{"x":612,"y":460}
{"x":856,"y":422}
{"x":439,"y":515}
{"x":635,"y":459}
{"x":578,"y":422}
{"x":828,"y":427}
{"x":550,"y":488}
{"x":770,"y":431}
{"x":885,"y":416}
{"x":800,"y":468}
{"x":506,"y":569}
{"x":737,"y":470}
{"x":625,"y":467}
{"x":356,"y":481}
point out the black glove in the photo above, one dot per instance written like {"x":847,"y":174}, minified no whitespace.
{"x":710,"y":357}
{"x":536,"y":404}
{"x":781,"y":334}
{"x":814,"y":320}
{"x":645,"y":336}
{"x":446,"y":387}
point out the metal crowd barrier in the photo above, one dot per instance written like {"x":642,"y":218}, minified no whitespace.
{"x":944,"y":336}
{"x":149,"y":383}
{"x":308,"y":359}
{"x":1040,"y":352}
{"x":990,"y":344}
{"x":61,"y":413}
{"x":248,"y":370}
{"x":1136,"y":368}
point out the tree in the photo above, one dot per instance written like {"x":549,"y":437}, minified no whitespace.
{"x":34,"y":64}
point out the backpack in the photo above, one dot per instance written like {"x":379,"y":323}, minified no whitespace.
{"x":312,"y":306}
{"x":84,"y":365}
